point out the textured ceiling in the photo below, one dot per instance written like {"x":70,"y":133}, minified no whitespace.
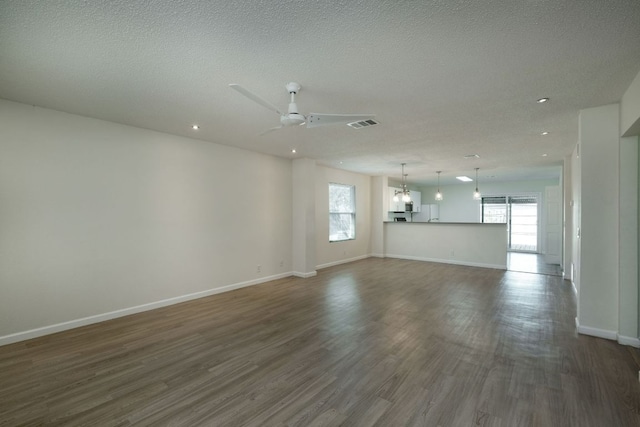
{"x":444,"y":78}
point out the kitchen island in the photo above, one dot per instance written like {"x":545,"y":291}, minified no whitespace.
{"x":473,"y":244}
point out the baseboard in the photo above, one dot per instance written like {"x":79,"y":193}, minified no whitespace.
{"x":449,"y":261}
{"x":609,"y":335}
{"x":633,"y":342}
{"x":76,"y":323}
{"x":305,"y":275}
{"x":596,"y":332}
{"x":342,"y":261}
{"x":575,"y":290}
{"x":377,"y":255}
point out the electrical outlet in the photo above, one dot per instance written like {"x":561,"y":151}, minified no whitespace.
{"x":259,"y":269}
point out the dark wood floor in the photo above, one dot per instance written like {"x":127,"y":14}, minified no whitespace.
{"x":376,"y":342}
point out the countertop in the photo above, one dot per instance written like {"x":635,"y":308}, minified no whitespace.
{"x":443,"y":222}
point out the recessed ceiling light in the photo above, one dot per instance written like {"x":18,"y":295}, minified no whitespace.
{"x":542,"y":100}
{"x":464,"y":178}
{"x":544,"y":133}
{"x":293,"y":150}
{"x":544,"y":155}
{"x":472,"y":156}
{"x":195,"y":127}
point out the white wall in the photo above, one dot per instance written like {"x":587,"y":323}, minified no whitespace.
{"x":379,"y":214}
{"x":332,"y":253}
{"x":575,"y":202}
{"x":480,"y":245}
{"x":630,"y":109}
{"x":458,"y":204}
{"x":568,"y":228}
{"x":304,"y":217}
{"x":605,"y":214}
{"x":97,"y":217}
{"x":629,"y":188}
{"x":628,"y":325}
{"x":599,"y":220}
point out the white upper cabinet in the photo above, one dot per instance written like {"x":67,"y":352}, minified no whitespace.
{"x":395,"y":206}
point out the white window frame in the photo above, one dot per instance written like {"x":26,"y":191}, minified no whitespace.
{"x":345,"y":234}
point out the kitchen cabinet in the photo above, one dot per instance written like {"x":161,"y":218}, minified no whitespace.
{"x":395,"y":206}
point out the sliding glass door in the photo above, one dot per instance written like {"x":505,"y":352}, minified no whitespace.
{"x":520,"y":213}
{"x":523,"y":223}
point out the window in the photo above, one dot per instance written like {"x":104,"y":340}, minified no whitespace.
{"x":494,"y":209}
{"x":342,"y":212}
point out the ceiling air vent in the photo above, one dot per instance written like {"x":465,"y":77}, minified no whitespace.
{"x":362,"y":124}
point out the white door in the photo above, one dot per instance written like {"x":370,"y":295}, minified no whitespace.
{"x":553,"y":225}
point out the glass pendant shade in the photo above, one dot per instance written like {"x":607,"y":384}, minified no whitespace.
{"x":438,"y":194}
{"x":476,"y":194}
{"x":406,"y":198}
{"x":396,"y":198}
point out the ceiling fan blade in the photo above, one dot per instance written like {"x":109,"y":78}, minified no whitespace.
{"x":320,"y":119}
{"x":255,"y":98}
{"x":271,"y":130}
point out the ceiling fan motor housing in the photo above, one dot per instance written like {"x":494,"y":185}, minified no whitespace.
{"x":293,"y":87}
{"x":292,"y":119}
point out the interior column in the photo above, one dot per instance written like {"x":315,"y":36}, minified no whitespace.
{"x":304,"y":217}
{"x":379,"y":208}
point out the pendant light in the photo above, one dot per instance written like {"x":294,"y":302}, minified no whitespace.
{"x":438,"y":194}
{"x":406,"y":196}
{"x":476,"y":194}
{"x":404,"y":193}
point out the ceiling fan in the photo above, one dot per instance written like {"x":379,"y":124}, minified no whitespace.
{"x":293,"y":117}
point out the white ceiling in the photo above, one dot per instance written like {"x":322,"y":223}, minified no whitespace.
{"x":444,"y":78}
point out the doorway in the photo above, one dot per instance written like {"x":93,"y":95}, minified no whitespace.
{"x":520,"y":213}
{"x":522,"y":226}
